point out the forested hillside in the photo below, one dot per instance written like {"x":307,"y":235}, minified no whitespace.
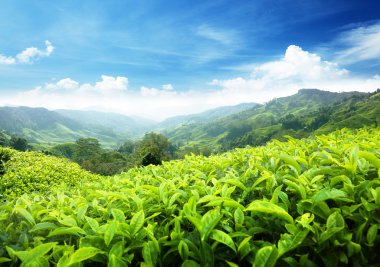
{"x":308,"y":111}
{"x":44,"y":128}
{"x":310,"y":202}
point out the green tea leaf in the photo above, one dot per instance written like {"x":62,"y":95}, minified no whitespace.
{"x":110,"y":232}
{"x":118,"y":215}
{"x":290,"y":242}
{"x":136,"y":223}
{"x":266,"y":257}
{"x":190,"y":263}
{"x":67,"y":231}
{"x":327,"y":193}
{"x":223,"y":238}
{"x":183,"y":250}
{"x":83,"y":254}
{"x":269,"y":208}
{"x":290,"y":161}
{"x":3,"y":259}
{"x":93,"y":223}
{"x":208,"y":222}
{"x":372,"y":234}
{"x":43,"y":226}
{"x":239,"y":217}
{"x":24,"y":213}
{"x":370,"y":157}
{"x":150,"y":253}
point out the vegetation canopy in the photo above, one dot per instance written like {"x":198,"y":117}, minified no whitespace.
{"x":309,"y":202}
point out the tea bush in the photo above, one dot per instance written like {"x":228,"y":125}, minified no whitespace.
{"x":309,"y":202}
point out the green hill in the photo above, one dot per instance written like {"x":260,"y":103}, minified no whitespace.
{"x":46,"y":128}
{"x":309,"y":202}
{"x":299,"y":115}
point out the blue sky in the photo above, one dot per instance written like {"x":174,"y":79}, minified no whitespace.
{"x":162,"y":58}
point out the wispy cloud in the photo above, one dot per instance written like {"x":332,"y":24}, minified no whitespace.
{"x":296,"y":69}
{"x":29,"y":55}
{"x":362,"y":44}
{"x":226,"y":37}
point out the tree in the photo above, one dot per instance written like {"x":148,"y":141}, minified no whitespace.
{"x":4,"y":140}
{"x":128,"y":147}
{"x":291,"y":122}
{"x":106,"y":163}
{"x":86,"y":148}
{"x":19,"y":143}
{"x":153,"y":149}
{"x":66,"y":150}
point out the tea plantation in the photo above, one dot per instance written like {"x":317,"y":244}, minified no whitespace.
{"x":309,"y":202}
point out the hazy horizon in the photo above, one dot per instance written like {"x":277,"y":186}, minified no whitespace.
{"x":157,"y":60}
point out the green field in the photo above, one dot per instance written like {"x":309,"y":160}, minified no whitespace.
{"x":309,"y":202}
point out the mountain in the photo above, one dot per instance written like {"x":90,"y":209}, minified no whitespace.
{"x":220,"y":129}
{"x":205,"y":116}
{"x":44,"y":127}
{"x":297,"y":115}
{"x":132,"y":126}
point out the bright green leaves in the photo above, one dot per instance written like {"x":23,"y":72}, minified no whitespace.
{"x":208,"y":223}
{"x":115,"y":256}
{"x":296,"y":203}
{"x":291,"y":162}
{"x":150,"y":253}
{"x":110,"y":231}
{"x":93,"y":224}
{"x":183,"y":250}
{"x":290,"y":242}
{"x":223,"y":238}
{"x":260,"y":206}
{"x":136,"y":223}
{"x":67,"y":231}
{"x":33,"y":257}
{"x":239,"y":217}
{"x":372,"y":234}
{"x":266,"y":257}
{"x":24,"y":213}
{"x":335,"y":223}
{"x":328,"y":193}
{"x":370,"y":157}
{"x":78,"y":256}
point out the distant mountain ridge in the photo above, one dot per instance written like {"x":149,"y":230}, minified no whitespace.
{"x":217,"y":129}
{"x":263,"y":122}
{"x":205,"y":116}
{"x":43,"y":126}
{"x":116,"y":122}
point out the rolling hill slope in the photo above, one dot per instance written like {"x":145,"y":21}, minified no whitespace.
{"x":297,"y":115}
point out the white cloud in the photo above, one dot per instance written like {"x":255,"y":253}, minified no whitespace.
{"x":110,"y":83}
{"x":167,"y":87}
{"x":7,"y":60}
{"x":64,"y":84}
{"x":361,"y":43}
{"x":295,"y":70}
{"x":28,"y":55}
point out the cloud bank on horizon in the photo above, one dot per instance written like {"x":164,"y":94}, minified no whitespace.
{"x":295,"y":70}
{"x":163,"y":59}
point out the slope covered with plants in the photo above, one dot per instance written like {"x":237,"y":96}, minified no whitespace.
{"x":309,"y":111}
{"x":309,"y":202}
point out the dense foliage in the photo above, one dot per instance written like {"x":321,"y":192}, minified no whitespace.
{"x":25,"y":172}
{"x":311,"y":202}
{"x":153,"y":148}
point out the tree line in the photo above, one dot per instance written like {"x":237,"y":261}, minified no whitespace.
{"x":153,"y":148}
